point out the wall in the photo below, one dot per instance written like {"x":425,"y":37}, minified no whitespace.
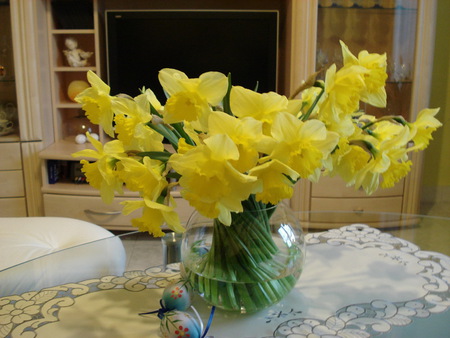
{"x":436,"y":173}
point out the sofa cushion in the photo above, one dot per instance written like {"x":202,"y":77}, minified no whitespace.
{"x":38,"y":250}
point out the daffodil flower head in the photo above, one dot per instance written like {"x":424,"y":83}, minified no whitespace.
{"x":96,"y":102}
{"x":247,"y":135}
{"x":191,"y":99}
{"x":146,"y":177}
{"x":277,"y":179}
{"x":262,"y":107}
{"x":302,"y":146}
{"x":208,"y":166}
{"x":154,"y":215}
{"x":374,"y":76}
{"x":423,"y":127}
{"x":102,"y":174}
{"x":132,"y":118}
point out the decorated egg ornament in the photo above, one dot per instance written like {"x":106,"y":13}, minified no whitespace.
{"x":176,"y":297}
{"x":180,"y":324}
{"x":175,"y":322}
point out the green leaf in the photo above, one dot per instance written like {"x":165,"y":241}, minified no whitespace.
{"x":226,"y":99}
{"x":156,"y":155}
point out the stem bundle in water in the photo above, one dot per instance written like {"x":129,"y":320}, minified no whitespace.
{"x":250,"y":264}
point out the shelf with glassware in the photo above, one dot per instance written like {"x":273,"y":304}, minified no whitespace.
{"x":406,"y":33}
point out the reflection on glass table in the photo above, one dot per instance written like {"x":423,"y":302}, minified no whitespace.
{"x":357,"y":281}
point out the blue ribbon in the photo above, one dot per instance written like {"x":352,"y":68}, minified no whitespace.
{"x":160,"y":312}
{"x":213,"y":309}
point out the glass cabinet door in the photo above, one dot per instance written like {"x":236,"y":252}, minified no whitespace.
{"x":377,"y":26}
{"x":8,"y":102}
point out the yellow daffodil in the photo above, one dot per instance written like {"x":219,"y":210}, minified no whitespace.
{"x":423,"y":127}
{"x":247,"y":135}
{"x":210,"y":182}
{"x":390,"y":159}
{"x":341,"y":99}
{"x":277,"y":179}
{"x":262,"y":107}
{"x":349,"y":159}
{"x":302,"y":145}
{"x":374,"y":76}
{"x":102,"y":173}
{"x":191,"y":99}
{"x":154,"y":215}
{"x":131,"y":127}
{"x":96,"y":102}
{"x":146,"y":177}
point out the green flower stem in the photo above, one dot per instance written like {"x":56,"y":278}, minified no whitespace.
{"x":240,"y":271}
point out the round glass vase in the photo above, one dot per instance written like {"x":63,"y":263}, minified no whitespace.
{"x":246,"y":266}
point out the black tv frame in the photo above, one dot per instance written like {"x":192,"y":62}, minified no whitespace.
{"x":243,"y":42}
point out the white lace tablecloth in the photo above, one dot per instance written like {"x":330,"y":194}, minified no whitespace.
{"x":357,"y":282}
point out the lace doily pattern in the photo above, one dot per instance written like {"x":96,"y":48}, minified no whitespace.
{"x":378,"y":316}
{"x":21,"y":315}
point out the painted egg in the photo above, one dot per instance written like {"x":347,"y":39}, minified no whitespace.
{"x":80,"y":139}
{"x":75,"y":88}
{"x":176,"y":297}
{"x":179,"y":324}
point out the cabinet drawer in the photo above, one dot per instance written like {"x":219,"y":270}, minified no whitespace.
{"x":10,"y":158}
{"x":13,"y":207}
{"x":336,"y":187}
{"x":94,"y":210}
{"x":88,"y":208}
{"x":353,"y":210}
{"x":11,"y":183}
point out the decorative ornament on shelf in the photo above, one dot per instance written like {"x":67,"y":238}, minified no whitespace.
{"x":76,"y":87}
{"x":232,"y":148}
{"x":75,"y":56}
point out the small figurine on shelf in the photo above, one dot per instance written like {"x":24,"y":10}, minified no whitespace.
{"x":76,"y":57}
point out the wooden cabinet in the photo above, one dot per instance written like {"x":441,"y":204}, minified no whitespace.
{"x":310,"y":31}
{"x":22,"y":101}
{"x":12,"y":191}
{"x":405,"y":30}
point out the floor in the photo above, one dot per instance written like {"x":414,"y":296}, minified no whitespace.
{"x":430,"y":234}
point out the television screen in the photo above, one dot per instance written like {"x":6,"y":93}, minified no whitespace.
{"x":140,"y":43}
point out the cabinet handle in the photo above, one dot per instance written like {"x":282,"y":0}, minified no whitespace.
{"x":358,"y":210}
{"x":107,"y":213}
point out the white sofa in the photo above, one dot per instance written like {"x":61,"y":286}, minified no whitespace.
{"x":94,"y":252}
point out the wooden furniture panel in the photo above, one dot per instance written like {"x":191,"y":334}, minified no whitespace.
{"x":13,"y":207}
{"x":10,"y":156}
{"x":93,"y":209}
{"x":381,"y":204}
{"x":336,"y":187}
{"x":12,"y":183}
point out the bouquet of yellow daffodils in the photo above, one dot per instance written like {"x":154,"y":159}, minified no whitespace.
{"x":233,"y":151}
{"x":229,"y":143}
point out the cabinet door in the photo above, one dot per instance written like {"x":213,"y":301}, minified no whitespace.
{"x":13,"y":207}
{"x":12,"y":183}
{"x":402,"y":29}
{"x":10,"y":158}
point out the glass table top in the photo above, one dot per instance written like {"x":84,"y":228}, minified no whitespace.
{"x":132,"y":262}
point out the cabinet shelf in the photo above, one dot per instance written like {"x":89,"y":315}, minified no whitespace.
{"x":68,"y":105}
{"x":74,"y":69}
{"x":69,"y":188}
{"x":10,"y":138}
{"x":62,"y":150}
{"x":7,"y":80}
{"x":72,"y":31}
